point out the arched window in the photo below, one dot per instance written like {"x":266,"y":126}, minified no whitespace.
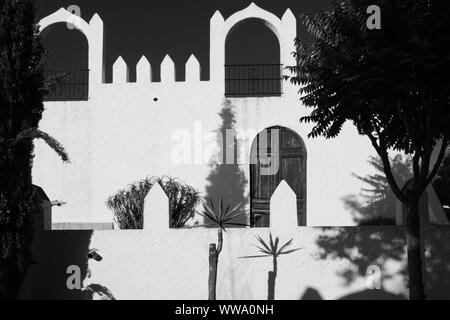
{"x":252,"y":60}
{"x":66,"y":66}
{"x":277,"y":154}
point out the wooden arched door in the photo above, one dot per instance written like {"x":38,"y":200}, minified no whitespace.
{"x":277,"y":154}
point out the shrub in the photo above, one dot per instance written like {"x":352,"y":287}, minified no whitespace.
{"x":128,"y":204}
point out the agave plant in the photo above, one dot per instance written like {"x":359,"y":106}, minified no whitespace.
{"x":272,"y":249}
{"x":220,"y":217}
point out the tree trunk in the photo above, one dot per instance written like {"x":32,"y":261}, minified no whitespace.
{"x":271,"y":286}
{"x":272,"y":275}
{"x":414,"y":248}
{"x":212,"y":279}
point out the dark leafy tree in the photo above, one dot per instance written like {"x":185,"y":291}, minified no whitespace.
{"x":21,"y":95}
{"x":392,"y":83}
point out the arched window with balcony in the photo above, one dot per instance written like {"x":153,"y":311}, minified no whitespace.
{"x":66,"y":68}
{"x":252,"y":60}
{"x":277,"y":154}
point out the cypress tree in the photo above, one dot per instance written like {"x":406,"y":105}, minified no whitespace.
{"x":21,"y":107}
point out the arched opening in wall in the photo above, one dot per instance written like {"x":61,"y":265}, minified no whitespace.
{"x":66,"y":68}
{"x":252,"y":60}
{"x":277,"y":154}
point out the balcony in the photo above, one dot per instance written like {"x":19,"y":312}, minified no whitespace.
{"x":257,"y":80}
{"x":67,"y":85}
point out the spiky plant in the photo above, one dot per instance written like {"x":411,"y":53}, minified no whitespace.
{"x":274,"y":250}
{"x":220,"y":217}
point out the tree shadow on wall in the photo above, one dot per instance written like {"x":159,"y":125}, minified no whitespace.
{"x":375,"y":246}
{"x":227,"y":180}
{"x":53,"y":252}
{"x":363,"y":248}
{"x":437,"y":261}
{"x":376,"y":203}
{"x":375,"y":206}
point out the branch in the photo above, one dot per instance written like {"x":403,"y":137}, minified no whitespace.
{"x":49,"y":140}
{"x":407,"y":124}
{"x":387,"y":169}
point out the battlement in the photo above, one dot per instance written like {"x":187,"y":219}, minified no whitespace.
{"x":284,"y":29}
{"x":144,"y":70}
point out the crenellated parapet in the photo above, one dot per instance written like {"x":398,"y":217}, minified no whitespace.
{"x":220,"y":28}
{"x":145,"y":73}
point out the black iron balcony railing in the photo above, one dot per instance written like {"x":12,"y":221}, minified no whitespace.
{"x":67,"y":85}
{"x":253,"y":80}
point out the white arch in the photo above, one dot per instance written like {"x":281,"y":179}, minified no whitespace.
{"x":285,"y":29}
{"x":64,"y":16}
{"x":255,"y":12}
{"x":93,"y":31}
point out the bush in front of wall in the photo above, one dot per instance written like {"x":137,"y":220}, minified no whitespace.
{"x":128,"y":204}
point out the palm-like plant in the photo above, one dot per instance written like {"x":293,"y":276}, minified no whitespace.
{"x":220,"y":217}
{"x":272,"y":249}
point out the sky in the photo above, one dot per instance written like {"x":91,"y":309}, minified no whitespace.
{"x":155,"y":28}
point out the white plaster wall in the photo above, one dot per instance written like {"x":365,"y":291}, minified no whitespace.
{"x":173,"y":264}
{"x":121,"y":135}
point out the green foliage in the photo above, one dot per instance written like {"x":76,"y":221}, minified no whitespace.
{"x":128,"y":204}
{"x":21,"y":95}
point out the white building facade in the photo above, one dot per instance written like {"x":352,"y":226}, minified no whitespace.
{"x":125,"y":131}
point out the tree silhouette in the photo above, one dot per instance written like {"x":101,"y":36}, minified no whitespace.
{"x":21,"y":95}
{"x":391,"y":83}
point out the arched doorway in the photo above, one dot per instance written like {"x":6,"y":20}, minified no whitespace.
{"x":277,"y":154}
{"x":66,"y":68}
{"x":252,"y":60}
